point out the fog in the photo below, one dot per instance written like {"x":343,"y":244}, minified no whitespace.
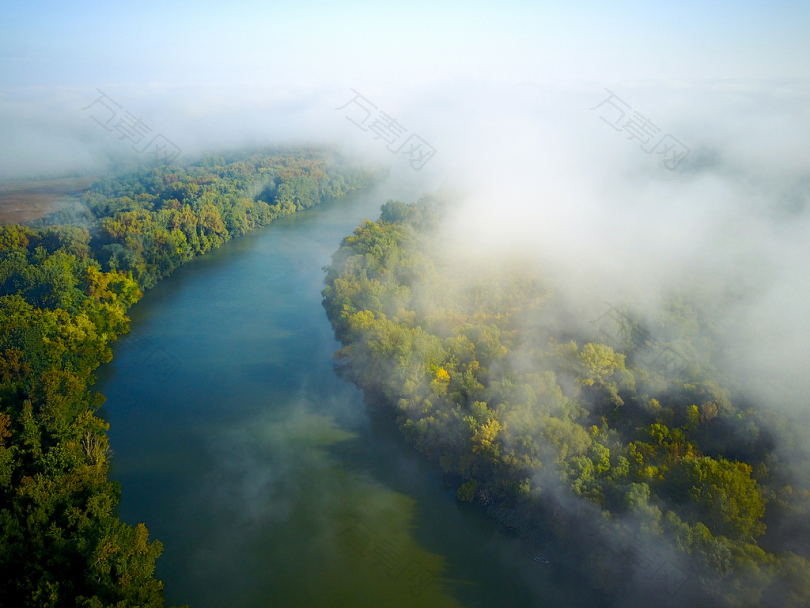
{"x":509,"y":96}
{"x":504,"y":95}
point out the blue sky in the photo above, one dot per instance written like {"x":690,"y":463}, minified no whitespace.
{"x":64,"y":44}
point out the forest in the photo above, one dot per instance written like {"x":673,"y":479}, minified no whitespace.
{"x":66,"y":283}
{"x":623,"y":452}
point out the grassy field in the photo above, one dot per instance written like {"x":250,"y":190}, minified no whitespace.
{"x":23,"y":201}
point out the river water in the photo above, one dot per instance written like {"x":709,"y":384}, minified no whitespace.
{"x":265,"y":476}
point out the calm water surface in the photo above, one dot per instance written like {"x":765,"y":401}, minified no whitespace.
{"x":265,"y":476}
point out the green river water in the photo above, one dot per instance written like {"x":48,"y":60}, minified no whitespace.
{"x":266,"y":477}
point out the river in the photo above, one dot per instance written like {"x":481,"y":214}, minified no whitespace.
{"x":266,"y":477}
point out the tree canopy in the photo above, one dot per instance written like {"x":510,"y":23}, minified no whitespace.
{"x":559,"y":434}
{"x":66,"y":284}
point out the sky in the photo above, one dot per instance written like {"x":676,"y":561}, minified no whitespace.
{"x":508,"y":94}
{"x":213,"y":73}
{"x":175,"y":44}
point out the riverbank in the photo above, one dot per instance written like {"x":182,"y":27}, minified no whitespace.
{"x":67,"y":285}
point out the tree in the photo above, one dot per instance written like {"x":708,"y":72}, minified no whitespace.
{"x":728,"y":500}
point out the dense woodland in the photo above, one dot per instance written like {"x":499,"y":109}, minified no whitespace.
{"x":634,"y":464}
{"x":65,"y":286}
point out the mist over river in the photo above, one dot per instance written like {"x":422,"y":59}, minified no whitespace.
{"x":266,"y":477}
